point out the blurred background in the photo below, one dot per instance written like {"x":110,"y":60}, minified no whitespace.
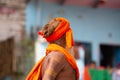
{"x":95,"y":25}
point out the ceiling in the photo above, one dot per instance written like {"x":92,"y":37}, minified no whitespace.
{"x":91,"y":3}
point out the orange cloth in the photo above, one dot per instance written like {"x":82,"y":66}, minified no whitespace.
{"x":35,"y":73}
{"x":62,"y":28}
{"x":86,"y":75}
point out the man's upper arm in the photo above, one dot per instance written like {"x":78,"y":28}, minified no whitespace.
{"x":54,"y":66}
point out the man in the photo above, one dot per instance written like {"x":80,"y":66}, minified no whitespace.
{"x":58,"y":64}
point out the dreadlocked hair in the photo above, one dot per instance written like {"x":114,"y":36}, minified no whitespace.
{"x":49,"y":28}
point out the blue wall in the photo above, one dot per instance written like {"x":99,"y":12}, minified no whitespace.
{"x":88,"y":24}
{"x":31,"y":15}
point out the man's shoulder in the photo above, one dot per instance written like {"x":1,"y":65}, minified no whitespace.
{"x":56,"y":54}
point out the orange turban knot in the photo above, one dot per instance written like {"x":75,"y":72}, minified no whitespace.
{"x":62,"y":28}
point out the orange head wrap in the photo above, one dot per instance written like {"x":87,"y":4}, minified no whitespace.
{"x":61,"y":29}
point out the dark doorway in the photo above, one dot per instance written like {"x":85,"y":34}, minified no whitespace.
{"x":109,"y":55}
{"x":6,"y":57}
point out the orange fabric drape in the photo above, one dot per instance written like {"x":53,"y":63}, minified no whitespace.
{"x":68,"y":56}
{"x":35,"y":73}
{"x":86,"y":75}
{"x":62,"y":28}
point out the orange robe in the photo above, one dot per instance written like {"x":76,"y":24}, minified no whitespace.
{"x":86,"y":75}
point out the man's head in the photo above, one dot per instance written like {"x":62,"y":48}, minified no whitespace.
{"x":56,"y":29}
{"x":49,"y":28}
{"x":92,"y":64}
